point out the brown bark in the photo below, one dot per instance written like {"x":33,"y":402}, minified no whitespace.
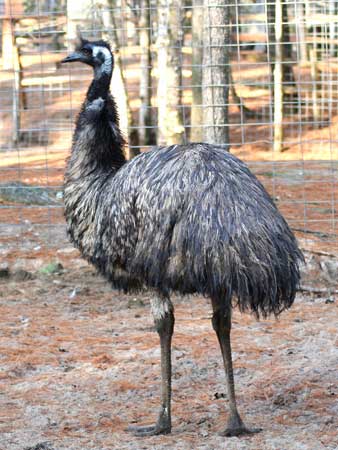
{"x":278,"y":79}
{"x":17,"y":96}
{"x":11,"y":61}
{"x":290,"y":94}
{"x":315,"y":86}
{"x":196,"y":131}
{"x":216,"y":71}
{"x":119,"y":87}
{"x":7,"y":44}
{"x":145,"y":113}
{"x":333,"y":11}
{"x":169,"y":92}
{"x":301,"y":32}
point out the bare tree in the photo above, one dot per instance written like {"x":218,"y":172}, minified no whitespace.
{"x":301,"y":31}
{"x":216,"y":71}
{"x":333,"y":11}
{"x":278,"y":79}
{"x":8,"y":45}
{"x":145,"y":113}
{"x":127,"y":123}
{"x":196,"y":133}
{"x":289,"y":81}
{"x":315,"y":78}
{"x":246,"y":113}
{"x":169,"y":92}
{"x":287,"y":71}
{"x":282,"y":76}
{"x":11,"y":61}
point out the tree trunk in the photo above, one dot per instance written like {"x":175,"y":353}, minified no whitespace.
{"x":17,"y":97}
{"x":145,"y":113}
{"x":315,"y":86}
{"x":289,"y":86}
{"x":278,"y":79}
{"x":301,"y":32}
{"x":290,"y":91}
{"x":119,"y":86}
{"x":280,"y":57}
{"x":7,"y":44}
{"x":169,"y":92}
{"x":196,"y":131}
{"x":333,"y":9}
{"x":216,"y":71}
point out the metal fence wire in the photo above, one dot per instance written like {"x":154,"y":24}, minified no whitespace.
{"x":273,"y":80}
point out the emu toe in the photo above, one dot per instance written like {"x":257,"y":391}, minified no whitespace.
{"x":236,"y":427}
{"x":152,"y":430}
{"x":230,"y":432}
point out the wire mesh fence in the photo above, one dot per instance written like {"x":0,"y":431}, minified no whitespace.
{"x":274,"y":96}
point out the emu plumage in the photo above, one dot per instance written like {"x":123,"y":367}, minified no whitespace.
{"x":185,"y":218}
{"x":188,"y":218}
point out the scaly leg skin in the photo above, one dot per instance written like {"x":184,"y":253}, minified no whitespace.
{"x":163,"y":313}
{"x":221,"y":322}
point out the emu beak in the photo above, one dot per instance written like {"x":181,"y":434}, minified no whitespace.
{"x":72,"y":57}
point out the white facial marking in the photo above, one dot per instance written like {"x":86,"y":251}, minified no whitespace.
{"x":107,"y":64}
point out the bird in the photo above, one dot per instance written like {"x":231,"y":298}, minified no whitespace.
{"x":184,"y":219}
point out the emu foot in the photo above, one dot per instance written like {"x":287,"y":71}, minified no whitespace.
{"x":230,"y":432}
{"x":152,"y":430}
{"x":163,"y":426}
{"x":236,"y":427}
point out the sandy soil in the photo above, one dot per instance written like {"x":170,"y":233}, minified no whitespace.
{"x":80,"y":362}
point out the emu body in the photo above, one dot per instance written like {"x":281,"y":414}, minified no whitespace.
{"x":185,"y":218}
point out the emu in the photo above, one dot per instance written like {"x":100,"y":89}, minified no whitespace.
{"x":184,"y":218}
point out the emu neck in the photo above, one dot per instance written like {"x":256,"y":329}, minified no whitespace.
{"x":99,"y":87}
{"x":98,"y":143}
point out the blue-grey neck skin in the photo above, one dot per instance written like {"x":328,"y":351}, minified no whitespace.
{"x":102,"y":75}
{"x":107,"y":66}
{"x":99,"y":87}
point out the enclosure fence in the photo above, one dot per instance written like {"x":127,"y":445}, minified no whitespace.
{"x":260,"y":75}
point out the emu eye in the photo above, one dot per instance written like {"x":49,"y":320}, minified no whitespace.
{"x":86,"y":51}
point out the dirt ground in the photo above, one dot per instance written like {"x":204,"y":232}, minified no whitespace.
{"x":79,"y":362}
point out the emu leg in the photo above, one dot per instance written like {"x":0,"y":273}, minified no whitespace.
{"x":221,"y":322}
{"x":164,"y":319}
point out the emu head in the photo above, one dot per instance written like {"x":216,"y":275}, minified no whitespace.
{"x":96,"y":54}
